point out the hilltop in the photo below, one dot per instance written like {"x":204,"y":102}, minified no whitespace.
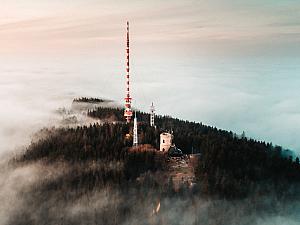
{"x":97,"y":162}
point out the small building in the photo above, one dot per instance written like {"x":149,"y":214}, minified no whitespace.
{"x":166,"y":140}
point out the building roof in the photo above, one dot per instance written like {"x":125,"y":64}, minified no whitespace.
{"x":174,"y":151}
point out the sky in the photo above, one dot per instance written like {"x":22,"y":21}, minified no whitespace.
{"x":227,"y":63}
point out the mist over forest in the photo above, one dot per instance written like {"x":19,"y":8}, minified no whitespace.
{"x":87,"y":174}
{"x":224,"y":79}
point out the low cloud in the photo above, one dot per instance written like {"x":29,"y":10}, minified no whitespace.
{"x":23,"y":201}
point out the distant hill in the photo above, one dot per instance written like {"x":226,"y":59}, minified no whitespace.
{"x":90,"y":100}
{"x":84,"y":103}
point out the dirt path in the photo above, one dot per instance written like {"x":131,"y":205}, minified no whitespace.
{"x":182,"y":171}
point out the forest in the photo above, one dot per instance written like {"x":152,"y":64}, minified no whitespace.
{"x":99,"y":157}
{"x":230,"y":166}
{"x":89,"y":100}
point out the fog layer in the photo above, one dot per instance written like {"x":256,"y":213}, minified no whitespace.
{"x":257,"y":96}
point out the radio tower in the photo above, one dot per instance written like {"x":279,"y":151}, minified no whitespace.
{"x":135,"y":131}
{"x":152,"y":114}
{"x":128,"y":110}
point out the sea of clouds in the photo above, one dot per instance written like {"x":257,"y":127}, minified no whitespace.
{"x":261,"y":100}
{"x":257,"y":96}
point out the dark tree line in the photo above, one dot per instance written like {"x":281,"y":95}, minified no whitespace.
{"x":229,"y":166}
{"x":99,"y":158}
{"x":236,"y":167}
{"x":94,"y":142}
{"x":90,"y":100}
{"x":91,"y":159}
{"x":103,"y":144}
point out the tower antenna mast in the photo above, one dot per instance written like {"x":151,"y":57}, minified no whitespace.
{"x":135,"y":131}
{"x":152,"y":114}
{"x":128,"y":110}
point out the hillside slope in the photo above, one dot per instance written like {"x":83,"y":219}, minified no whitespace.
{"x":99,"y":179}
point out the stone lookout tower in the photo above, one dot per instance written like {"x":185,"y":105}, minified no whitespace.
{"x":166,"y":140}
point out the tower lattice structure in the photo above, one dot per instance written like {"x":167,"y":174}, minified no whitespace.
{"x":135,"y":131}
{"x":128,"y":110}
{"x":152,"y":114}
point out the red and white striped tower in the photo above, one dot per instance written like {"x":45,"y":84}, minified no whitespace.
{"x":128,"y":110}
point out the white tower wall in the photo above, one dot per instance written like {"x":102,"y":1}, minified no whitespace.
{"x":135,"y":131}
{"x":166,"y":140}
